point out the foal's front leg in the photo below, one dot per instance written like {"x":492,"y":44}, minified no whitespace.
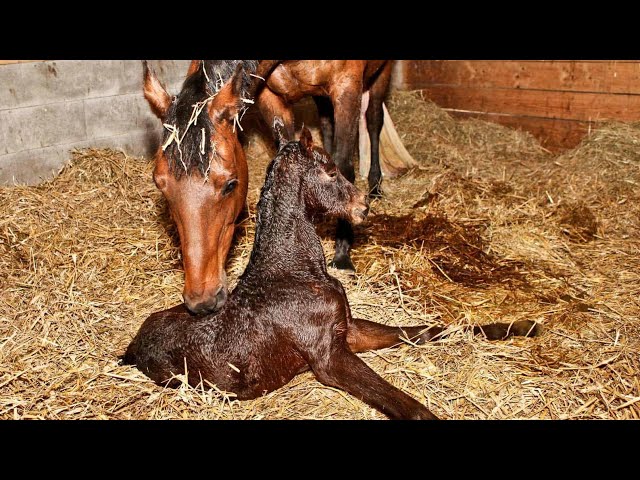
{"x":345,"y":370}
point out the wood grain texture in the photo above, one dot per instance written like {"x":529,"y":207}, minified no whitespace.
{"x":554,"y":135}
{"x":537,"y":103}
{"x":7,"y":62}
{"x":556,"y":100}
{"x":575,"y":76}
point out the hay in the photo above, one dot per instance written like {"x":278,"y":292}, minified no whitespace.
{"x":490,"y":227}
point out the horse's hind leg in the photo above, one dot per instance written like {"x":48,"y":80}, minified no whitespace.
{"x":346,"y":107}
{"x":500,"y":331}
{"x":270,"y":106}
{"x":343,"y":369}
{"x":363,"y":335}
{"x":375,"y":118}
{"x":325,"y":113}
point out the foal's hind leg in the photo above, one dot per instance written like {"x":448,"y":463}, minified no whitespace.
{"x":363,"y":335}
{"x":343,"y":369}
{"x":375,"y":118}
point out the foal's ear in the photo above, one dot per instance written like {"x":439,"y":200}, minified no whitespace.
{"x":155,"y":93}
{"x":228,"y":101}
{"x":306,"y":140}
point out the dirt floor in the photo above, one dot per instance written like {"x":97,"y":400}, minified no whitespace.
{"x":490,"y":227}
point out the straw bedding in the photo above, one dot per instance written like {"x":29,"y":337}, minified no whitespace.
{"x":490,"y":227}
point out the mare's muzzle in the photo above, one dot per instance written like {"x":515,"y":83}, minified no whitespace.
{"x":200,"y":304}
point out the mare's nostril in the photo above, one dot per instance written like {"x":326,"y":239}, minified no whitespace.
{"x":209,"y":304}
{"x":220,"y":298}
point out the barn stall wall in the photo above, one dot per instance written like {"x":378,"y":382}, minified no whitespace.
{"x":48,"y":108}
{"x":557,"y":101}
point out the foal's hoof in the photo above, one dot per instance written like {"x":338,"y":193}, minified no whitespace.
{"x":342,"y":263}
{"x":526,"y":328}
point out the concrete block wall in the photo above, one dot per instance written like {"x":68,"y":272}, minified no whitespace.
{"x":49,"y":108}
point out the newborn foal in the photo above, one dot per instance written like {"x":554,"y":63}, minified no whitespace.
{"x":287,"y":314}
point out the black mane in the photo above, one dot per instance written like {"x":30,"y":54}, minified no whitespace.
{"x":196,"y":88}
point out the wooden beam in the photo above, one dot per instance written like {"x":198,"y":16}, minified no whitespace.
{"x":7,"y":62}
{"x":576,"y":76}
{"x":537,"y":103}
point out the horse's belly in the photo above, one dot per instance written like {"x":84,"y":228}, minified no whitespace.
{"x":293,"y":85}
{"x":253,"y":377}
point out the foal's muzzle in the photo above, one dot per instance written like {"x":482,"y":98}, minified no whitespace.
{"x":359,"y":209}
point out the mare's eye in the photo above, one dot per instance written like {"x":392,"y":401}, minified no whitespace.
{"x":229,"y":186}
{"x":333,"y":173}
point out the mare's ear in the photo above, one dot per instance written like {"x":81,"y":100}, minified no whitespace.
{"x":155,"y":93}
{"x":306,"y":140}
{"x":194,"y":66}
{"x":278,"y":132}
{"x":227,"y":103}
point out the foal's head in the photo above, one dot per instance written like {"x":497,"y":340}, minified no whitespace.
{"x":323,"y":189}
{"x":201,"y":169}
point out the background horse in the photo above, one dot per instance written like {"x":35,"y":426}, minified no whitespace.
{"x":337,"y":87}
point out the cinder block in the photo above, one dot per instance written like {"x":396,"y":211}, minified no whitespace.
{"x":53,"y":81}
{"x":146,"y":119}
{"x":33,"y":166}
{"x":170,"y":72}
{"x":4,"y":149}
{"x":110,"y":116}
{"x":34,"y":127}
{"x":138,"y":143}
{"x":10,"y":85}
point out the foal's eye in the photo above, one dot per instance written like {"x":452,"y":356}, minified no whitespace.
{"x":333,"y":173}
{"x":229,"y":187}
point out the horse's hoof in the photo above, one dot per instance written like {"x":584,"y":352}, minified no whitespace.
{"x":342,"y":263}
{"x":375,"y":192}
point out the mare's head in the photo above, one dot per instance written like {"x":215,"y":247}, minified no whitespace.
{"x":201,"y":169}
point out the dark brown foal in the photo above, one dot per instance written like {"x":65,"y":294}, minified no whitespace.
{"x":287,"y":314}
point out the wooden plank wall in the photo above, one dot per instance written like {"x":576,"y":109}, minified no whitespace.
{"x":557,"y":101}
